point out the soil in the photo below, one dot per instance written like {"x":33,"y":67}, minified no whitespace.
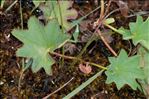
{"x":38,"y":85}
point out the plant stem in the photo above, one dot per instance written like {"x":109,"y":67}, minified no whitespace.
{"x":46,"y":97}
{"x":75,"y":58}
{"x":101,"y":13}
{"x":21,"y":74}
{"x":11,"y":6}
{"x":98,"y":23}
{"x":107,"y":9}
{"x":61,"y":18}
{"x":92,"y":38}
{"x":22,"y":69}
{"x":112,"y":28}
{"x":21,"y":16}
{"x":2,"y":3}
{"x":111,"y":13}
{"x":20,"y":78}
{"x":102,"y":9}
{"x":105,"y":42}
{"x":85,"y":16}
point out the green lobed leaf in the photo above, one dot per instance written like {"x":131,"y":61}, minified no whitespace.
{"x":126,"y":33}
{"x":38,"y":41}
{"x":124,"y":70}
{"x":139,"y":32}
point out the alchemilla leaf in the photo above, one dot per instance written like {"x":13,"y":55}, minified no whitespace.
{"x":38,"y":41}
{"x":139,"y":32}
{"x":124,"y":70}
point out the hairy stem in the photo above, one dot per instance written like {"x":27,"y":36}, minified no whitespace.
{"x":78,"y":59}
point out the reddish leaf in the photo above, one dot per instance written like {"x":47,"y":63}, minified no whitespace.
{"x":85,"y":68}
